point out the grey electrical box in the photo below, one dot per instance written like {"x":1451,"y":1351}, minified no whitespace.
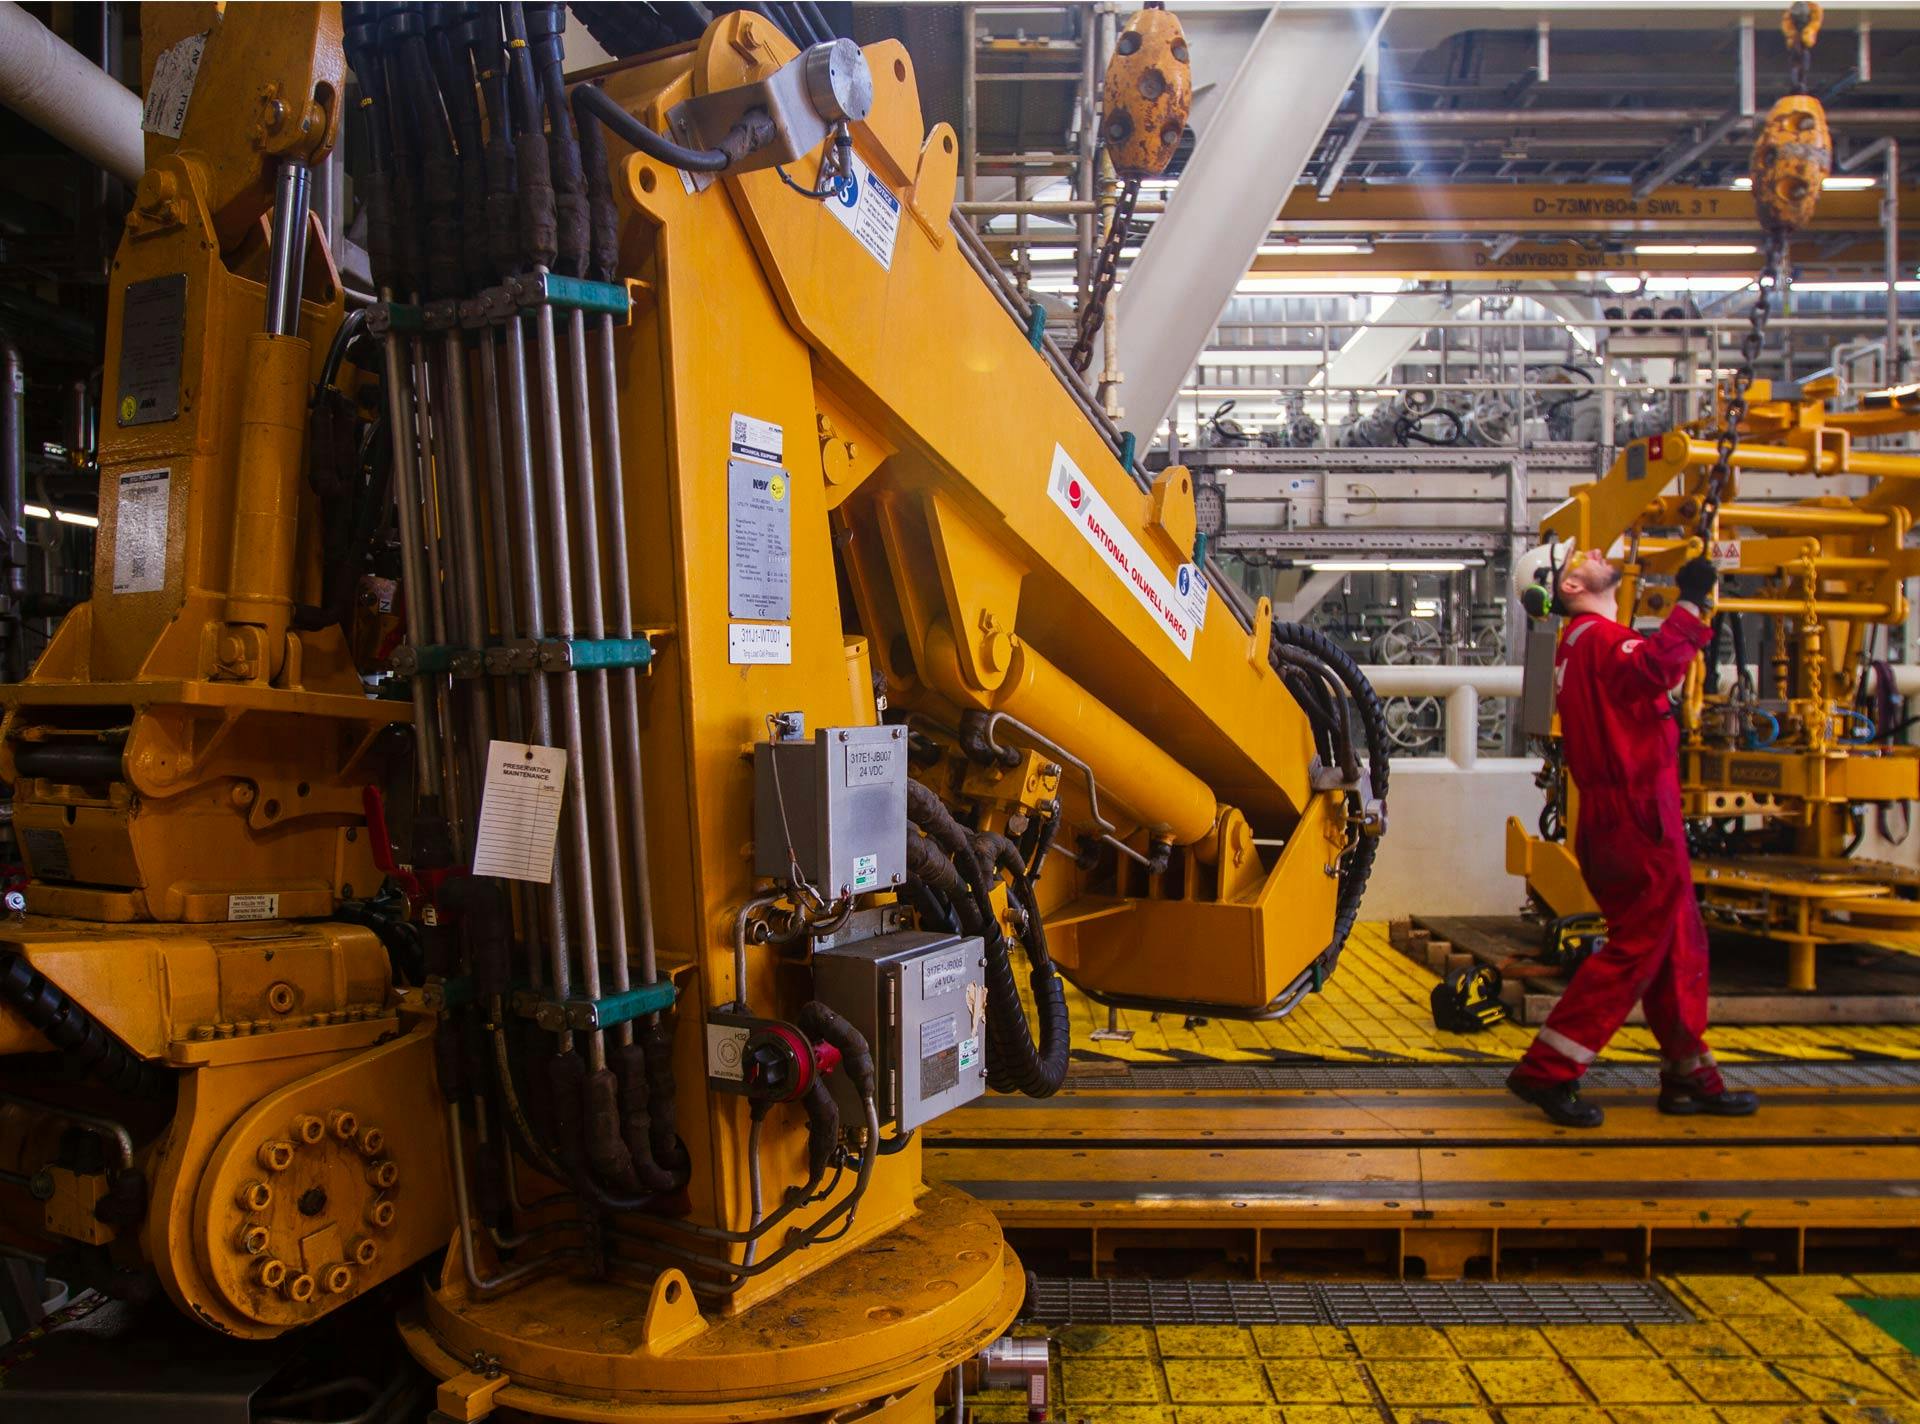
{"x":840,"y":802}
{"x":921,"y":1001}
{"x":1536,"y":680}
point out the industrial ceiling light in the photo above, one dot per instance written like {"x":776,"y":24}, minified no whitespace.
{"x":1393,"y":566}
{"x":1837,"y":181}
{"x":1695,"y":249}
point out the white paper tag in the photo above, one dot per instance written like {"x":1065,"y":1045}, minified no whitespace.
{"x":520,"y":811}
{"x":867,"y":208}
{"x":174,"y":74}
{"x":140,"y":531}
{"x":1178,"y":605}
{"x":749,"y":643}
{"x":1725,"y":553}
{"x":752,"y":439}
{"x":260,"y":906}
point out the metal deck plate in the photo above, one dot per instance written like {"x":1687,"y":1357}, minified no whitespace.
{"x":1058,"y":1301}
{"x":1394,"y":1077}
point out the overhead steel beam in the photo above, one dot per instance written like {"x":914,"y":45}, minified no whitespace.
{"x":1252,"y":151}
{"x":1610,"y":118}
{"x":1682,"y":154}
{"x":1372,"y":352}
{"x":1369,"y":110}
{"x":1602,"y":209}
{"x":1465,"y":260}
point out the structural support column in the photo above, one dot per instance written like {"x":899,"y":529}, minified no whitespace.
{"x":1250,"y":153}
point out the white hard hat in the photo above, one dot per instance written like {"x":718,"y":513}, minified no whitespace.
{"x":1534,"y":575}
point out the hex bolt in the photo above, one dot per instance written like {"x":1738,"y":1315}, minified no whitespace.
{"x":364,"y":1250}
{"x":384,"y":1173}
{"x":300,"y":1288}
{"x":254,"y":1239}
{"x":381,"y":1213}
{"x":276,"y":1154}
{"x":271,"y":1273}
{"x":255,"y":1196}
{"x":372,"y":1140}
{"x":345,"y":1125}
{"x":309,"y":1129}
{"x":339,"y":1276}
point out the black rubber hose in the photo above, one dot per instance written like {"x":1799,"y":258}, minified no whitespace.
{"x":590,"y":98}
{"x":376,"y":184}
{"x":489,"y":57}
{"x":1326,"y":707}
{"x":818,"y":1022}
{"x":1013,"y":1062}
{"x":603,"y":219}
{"x":546,"y":23}
{"x":1373,"y":722}
{"x":538,"y":236}
{"x":453,"y":64}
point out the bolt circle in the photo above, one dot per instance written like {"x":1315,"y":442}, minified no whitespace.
{"x":381,"y":1213}
{"x":372,"y":1140}
{"x":364,"y":1250}
{"x":338,"y":1278}
{"x":271,"y":1273}
{"x":255,"y":1196}
{"x":300,"y":1288}
{"x":309,"y":1129}
{"x":345,"y":1125}
{"x":276,"y":1155}
{"x":254,"y":1240}
{"x":383,"y":1174}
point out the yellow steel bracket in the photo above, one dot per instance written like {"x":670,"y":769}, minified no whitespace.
{"x":282,"y":66}
{"x":1171,"y":521}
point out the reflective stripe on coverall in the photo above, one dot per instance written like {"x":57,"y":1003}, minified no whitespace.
{"x":1620,"y":742}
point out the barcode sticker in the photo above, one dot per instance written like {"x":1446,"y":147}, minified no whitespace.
{"x":520,"y":811}
{"x":140,"y":531}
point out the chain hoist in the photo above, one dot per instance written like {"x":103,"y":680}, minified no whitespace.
{"x":1792,"y":155}
{"x":1144,"y":102}
{"x":1106,"y":268}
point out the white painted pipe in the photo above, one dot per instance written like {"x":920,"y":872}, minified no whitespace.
{"x":1438,"y":680}
{"x":1906,"y":678}
{"x":53,"y":86}
{"x":1463,"y":726}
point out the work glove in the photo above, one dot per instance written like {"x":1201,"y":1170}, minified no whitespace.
{"x":1696,"y":580}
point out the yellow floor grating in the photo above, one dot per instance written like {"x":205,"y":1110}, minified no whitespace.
{"x":1784,"y":1350}
{"x":1375,"y":1010}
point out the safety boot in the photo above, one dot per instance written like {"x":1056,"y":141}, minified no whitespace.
{"x":1559,"y":1101}
{"x":1685,"y":1100}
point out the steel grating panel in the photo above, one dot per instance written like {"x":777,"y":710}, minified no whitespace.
{"x":1397,"y":1077}
{"x":1060,"y":1301}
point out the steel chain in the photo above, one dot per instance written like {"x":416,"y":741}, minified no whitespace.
{"x":1106,"y":268}
{"x":1773,"y":251}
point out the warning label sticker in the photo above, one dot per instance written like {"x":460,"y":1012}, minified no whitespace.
{"x":867,"y":208}
{"x":1725,"y":553}
{"x":262,"y":905}
{"x":1179,"y":604}
{"x":140,"y":531}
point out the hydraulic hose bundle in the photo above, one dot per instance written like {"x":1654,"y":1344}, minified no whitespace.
{"x":1296,"y":650}
{"x":943,"y":857}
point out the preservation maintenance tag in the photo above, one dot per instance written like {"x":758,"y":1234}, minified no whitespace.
{"x":520,"y":811}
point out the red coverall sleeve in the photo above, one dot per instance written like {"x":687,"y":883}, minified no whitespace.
{"x":1655,"y":664}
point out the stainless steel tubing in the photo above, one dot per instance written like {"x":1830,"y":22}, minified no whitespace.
{"x":554,"y":480}
{"x":406,"y":486}
{"x":430,"y":420}
{"x":500,"y":585}
{"x":602,"y":791}
{"x":532,"y":600}
{"x":626,"y":682}
{"x":287,"y":256}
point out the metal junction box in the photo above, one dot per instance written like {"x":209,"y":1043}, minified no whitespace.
{"x":921,"y":1001}
{"x":841,"y":801}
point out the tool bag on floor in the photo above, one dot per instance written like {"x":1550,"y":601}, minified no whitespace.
{"x":1468,"y":1000}
{"x":1571,"y":939}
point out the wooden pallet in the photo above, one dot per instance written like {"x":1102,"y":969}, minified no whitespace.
{"x":1859,"y":984}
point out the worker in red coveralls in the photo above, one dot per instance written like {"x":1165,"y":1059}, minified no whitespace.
{"x":1620,"y":741}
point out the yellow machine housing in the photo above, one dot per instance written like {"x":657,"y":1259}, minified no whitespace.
{"x":972,"y":558}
